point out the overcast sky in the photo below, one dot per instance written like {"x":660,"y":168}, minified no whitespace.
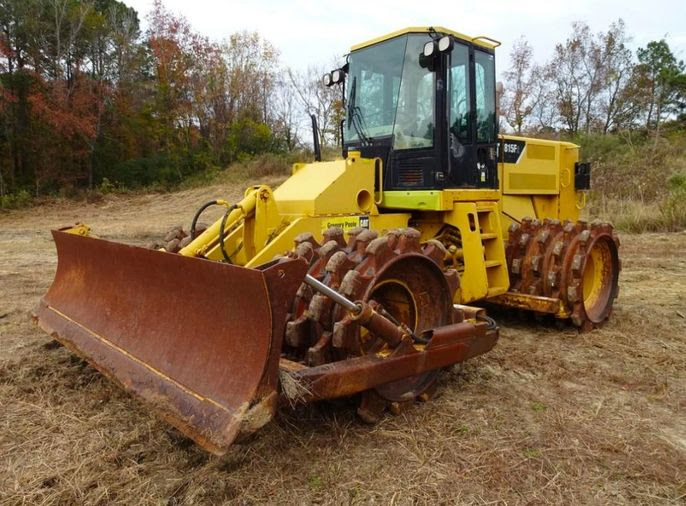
{"x":314,"y":32}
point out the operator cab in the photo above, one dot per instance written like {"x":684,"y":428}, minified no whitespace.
{"x":424,"y":101}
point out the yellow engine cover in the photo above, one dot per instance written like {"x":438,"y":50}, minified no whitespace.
{"x":325,"y":188}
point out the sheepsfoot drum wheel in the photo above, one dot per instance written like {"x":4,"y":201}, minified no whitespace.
{"x":407,"y":280}
{"x":176,"y":238}
{"x":570,"y":268}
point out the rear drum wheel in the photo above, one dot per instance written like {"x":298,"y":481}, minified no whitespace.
{"x":594,"y":279}
{"x":577,"y":263}
{"x":599,"y":280}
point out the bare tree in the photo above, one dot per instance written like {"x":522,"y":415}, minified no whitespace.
{"x":617,"y":96}
{"x":68,"y":20}
{"x":520,"y":98}
{"x":285,"y":113}
{"x":571,"y":70}
{"x":324,"y":102}
{"x":252,"y":64}
{"x":594,"y":81}
{"x":545,"y":112}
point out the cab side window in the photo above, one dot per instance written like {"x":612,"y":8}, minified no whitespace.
{"x":484,"y":74}
{"x":458,"y":93}
{"x":415,"y":117}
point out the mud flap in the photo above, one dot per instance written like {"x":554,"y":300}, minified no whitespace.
{"x":198,"y":340}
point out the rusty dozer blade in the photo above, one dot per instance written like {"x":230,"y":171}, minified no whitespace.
{"x":197,"y":339}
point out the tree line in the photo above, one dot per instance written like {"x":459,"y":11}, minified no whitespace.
{"x":85,"y":96}
{"x":592,"y":84}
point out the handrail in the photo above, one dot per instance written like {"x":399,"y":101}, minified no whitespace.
{"x":379,"y":163}
{"x":496,"y":43}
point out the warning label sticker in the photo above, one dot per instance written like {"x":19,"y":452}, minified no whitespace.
{"x":345,"y":222}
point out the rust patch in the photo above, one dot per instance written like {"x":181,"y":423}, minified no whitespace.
{"x":195,"y":338}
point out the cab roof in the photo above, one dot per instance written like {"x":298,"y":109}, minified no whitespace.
{"x":480,"y":40}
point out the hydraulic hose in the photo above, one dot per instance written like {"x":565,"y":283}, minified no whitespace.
{"x":492,"y":324}
{"x":202,"y":208}
{"x":222,"y":232}
{"x":395,"y":321}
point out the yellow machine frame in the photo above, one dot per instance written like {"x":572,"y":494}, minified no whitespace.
{"x":317,"y":196}
{"x":539,"y":184}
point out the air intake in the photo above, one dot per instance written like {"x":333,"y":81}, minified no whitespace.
{"x":410,"y":173}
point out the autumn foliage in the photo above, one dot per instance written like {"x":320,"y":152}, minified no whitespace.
{"x":87,"y":98}
{"x":593,"y":84}
{"x":84,"y":96}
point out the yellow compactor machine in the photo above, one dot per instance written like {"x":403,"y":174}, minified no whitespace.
{"x":361,"y":277}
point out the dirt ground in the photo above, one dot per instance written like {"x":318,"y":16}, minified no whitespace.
{"x":550,"y":416}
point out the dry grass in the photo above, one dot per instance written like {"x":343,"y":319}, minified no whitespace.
{"x":549,"y":416}
{"x":638,"y":181}
{"x":637,"y":217}
{"x":629,"y":215}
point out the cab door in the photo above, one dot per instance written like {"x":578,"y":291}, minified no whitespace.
{"x":471,"y":118}
{"x":415,"y":158}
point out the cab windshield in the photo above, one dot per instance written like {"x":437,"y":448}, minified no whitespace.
{"x":390,"y":94}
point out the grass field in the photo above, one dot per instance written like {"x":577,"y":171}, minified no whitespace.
{"x":550,"y":416}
